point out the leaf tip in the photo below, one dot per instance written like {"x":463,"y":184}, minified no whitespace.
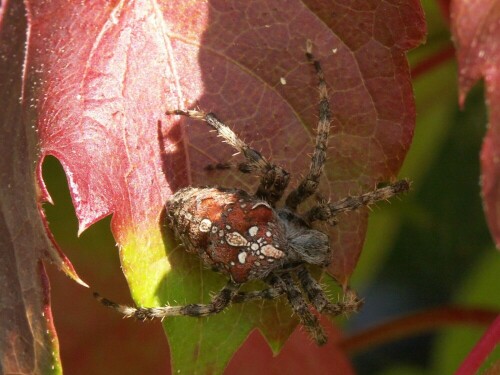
{"x":68,"y":269}
{"x":82,"y":226}
{"x":81,"y":282}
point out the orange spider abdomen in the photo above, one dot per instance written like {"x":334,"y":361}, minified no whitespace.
{"x":230,"y":230}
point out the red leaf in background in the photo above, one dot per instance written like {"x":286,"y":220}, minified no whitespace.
{"x":100,"y":75}
{"x":476,"y":30}
{"x":299,"y":356}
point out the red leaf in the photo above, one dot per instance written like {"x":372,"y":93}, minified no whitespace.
{"x":476,"y":29}
{"x":101,"y":76}
{"x":102,"y":101}
{"x":362,"y":52}
{"x":298,"y":356}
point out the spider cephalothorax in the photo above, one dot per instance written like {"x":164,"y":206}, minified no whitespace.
{"x":246,"y":237}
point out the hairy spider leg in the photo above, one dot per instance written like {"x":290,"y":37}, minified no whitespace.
{"x":310,"y":183}
{"x":219,"y":302}
{"x":315,"y":294}
{"x":318,"y":299}
{"x":256,"y":295}
{"x":301,"y":308}
{"x":273,"y":179}
{"x":273,"y":292}
{"x":328,"y":211}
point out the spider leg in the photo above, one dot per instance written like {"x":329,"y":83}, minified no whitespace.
{"x":269,"y":294}
{"x":328,"y":211}
{"x":310,"y":183}
{"x":276,"y":290}
{"x":242,"y":167}
{"x":300,"y":306}
{"x":219,"y":302}
{"x":218,"y":167}
{"x":273,"y":179}
{"x":320,"y":302}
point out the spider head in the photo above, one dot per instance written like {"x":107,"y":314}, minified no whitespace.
{"x":305,"y":244}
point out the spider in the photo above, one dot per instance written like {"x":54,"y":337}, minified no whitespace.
{"x":246,"y":237}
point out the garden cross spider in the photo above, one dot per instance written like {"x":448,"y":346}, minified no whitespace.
{"x":247,"y":238}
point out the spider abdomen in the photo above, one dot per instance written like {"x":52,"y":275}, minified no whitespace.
{"x":231,"y":231}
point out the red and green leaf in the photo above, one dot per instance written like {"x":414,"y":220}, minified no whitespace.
{"x":98,"y":77}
